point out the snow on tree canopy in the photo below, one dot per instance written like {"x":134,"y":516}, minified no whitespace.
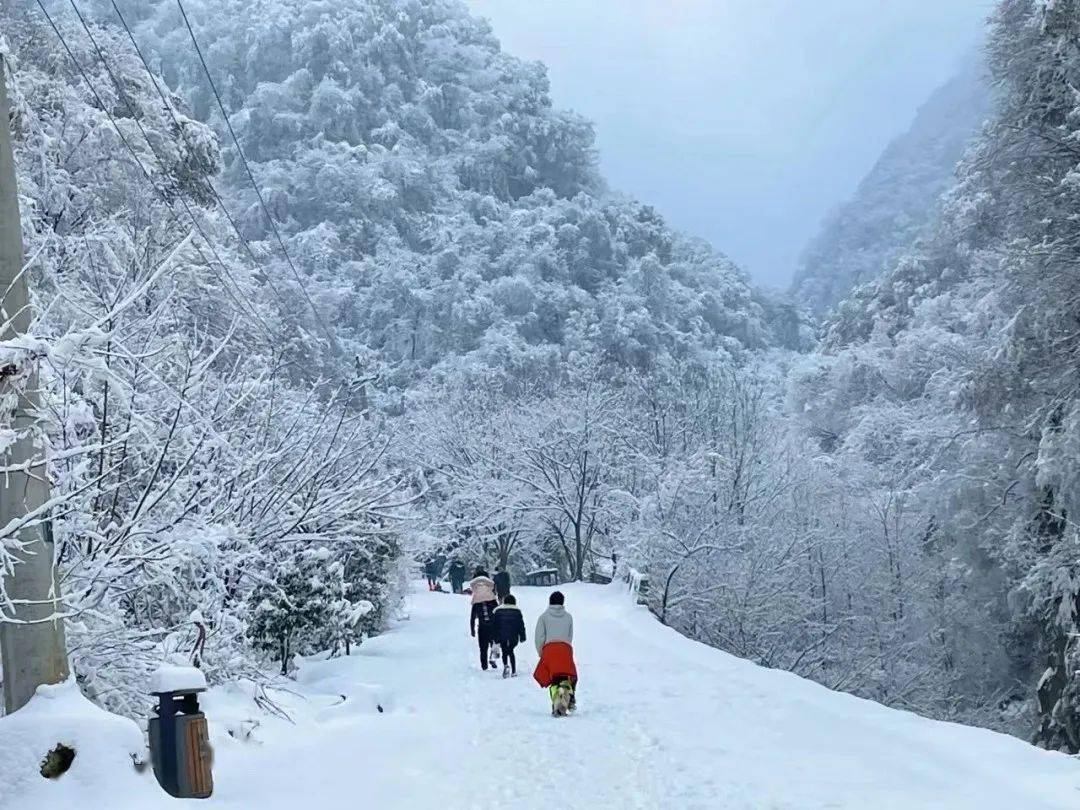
{"x":433,"y":195}
{"x":182,"y":401}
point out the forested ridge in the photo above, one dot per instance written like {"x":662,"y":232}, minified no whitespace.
{"x":465,"y":342}
{"x":898,"y":200}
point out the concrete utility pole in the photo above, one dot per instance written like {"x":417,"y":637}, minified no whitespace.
{"x":31,"y":644}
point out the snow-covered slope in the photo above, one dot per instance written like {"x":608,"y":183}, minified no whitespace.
{"x":897,"y":200}
{"x":663,"y":722}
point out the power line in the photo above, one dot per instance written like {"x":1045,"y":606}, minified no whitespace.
{"x":122,"y":94}
{"x":221,"y":203}
{"x":146,"y":173}
{"x":251,"y":177}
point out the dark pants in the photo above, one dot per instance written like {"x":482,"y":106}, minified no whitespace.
{"x":485,"y":637}
{"x":508,"y":655}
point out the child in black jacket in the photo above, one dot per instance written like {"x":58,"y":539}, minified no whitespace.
{"x":509,"y":632}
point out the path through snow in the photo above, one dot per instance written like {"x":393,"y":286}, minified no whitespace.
{"x":664,"y":722}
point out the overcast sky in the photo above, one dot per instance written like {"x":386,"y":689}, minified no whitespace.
{"x":742,"y":121}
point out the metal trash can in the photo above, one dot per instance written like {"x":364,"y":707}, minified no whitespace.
{"x":180,"y":745}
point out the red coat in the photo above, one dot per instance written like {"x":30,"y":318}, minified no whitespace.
{"x":557,"y":658}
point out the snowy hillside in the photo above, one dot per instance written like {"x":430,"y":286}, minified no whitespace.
{"x":437,"y":201}
{"x":664,"y":722}
{"x":896,"y":201}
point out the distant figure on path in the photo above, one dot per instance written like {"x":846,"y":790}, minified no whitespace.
{"x":457,"y":575}
{"x":509,"y":632}
{"x":431,"y":572}
{"x":481,"y":621}
{"x":556,"y":670}
{"x":502,"y":585}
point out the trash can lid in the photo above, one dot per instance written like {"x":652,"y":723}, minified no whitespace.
{"x":170,"y":679}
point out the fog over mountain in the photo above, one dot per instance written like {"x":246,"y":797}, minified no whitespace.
{"x":745,"y":123}
{"x":896,"y":201}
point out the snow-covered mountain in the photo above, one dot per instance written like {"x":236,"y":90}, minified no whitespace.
{"x":898,"y":198}
{"x":436,"y":200}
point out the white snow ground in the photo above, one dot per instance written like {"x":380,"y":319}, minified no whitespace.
{"x":663,"y":722}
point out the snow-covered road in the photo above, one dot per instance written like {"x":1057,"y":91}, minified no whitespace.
{"x":663,"y":722}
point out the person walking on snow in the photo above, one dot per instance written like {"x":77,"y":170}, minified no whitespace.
{"x":430,"y":573}
{"x":509,"y":632}
{"x":481,"y":623}
{"x":457,"y":575}
{"x":554,"y":639}
{"x":502,"y":584}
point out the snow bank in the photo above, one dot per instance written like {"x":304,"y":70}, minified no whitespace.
{"x":103,"y":773}
{"x":350,"y":694}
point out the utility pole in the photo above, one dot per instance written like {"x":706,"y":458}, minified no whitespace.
{"x":31,"y":634}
